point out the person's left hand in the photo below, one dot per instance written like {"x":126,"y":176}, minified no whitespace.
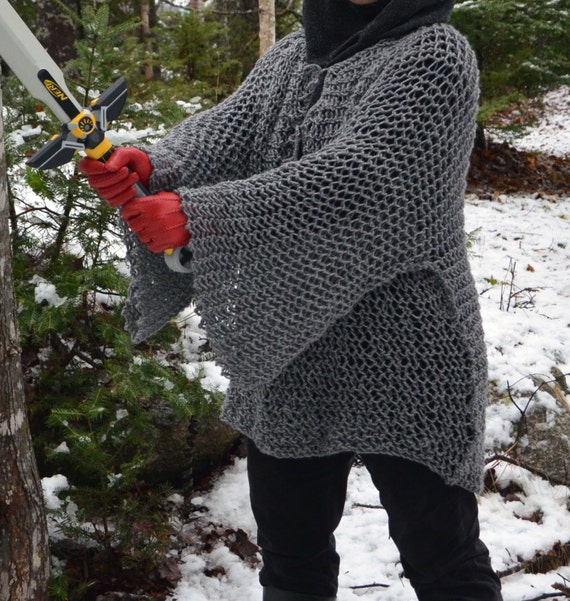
{"x":157,"y":220}
{"x":115,"y":178}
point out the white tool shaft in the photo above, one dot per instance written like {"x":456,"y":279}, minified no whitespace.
{"x":27,"y":57}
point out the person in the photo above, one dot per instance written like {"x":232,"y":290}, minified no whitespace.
{"x":322,"y":204}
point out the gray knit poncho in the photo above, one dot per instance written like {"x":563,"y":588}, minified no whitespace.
{"x":329,"y":261}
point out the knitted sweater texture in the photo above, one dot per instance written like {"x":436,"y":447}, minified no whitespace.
{"x":329,"y":262}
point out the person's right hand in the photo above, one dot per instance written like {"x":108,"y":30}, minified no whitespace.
{"x":114,"y":179}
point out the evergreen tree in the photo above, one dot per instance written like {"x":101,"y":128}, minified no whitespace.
{"x":241,"y":22}
{"x":195,"y":57}
{"x":288,"y":15}
{"x":521,"y":46}
{"x":100,"y":409}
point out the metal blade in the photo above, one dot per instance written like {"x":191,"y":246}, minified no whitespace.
{"x":33,"y":66}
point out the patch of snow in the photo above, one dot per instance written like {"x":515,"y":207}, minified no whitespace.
{"x":551,"y":135}
{"x":46,"y":292}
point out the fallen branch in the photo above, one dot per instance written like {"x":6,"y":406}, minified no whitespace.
{"x":542,"y":563}
{"x":373,"y":585}
{"x":562,"y":588}
{"x":524,"y":466}
{"x":545,"y":596}
{"x":367,"y":506}
{"x":565,"y":590}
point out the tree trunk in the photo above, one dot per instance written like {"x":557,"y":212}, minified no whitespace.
{"x":24,"y":552}
{"x":266,"y":25}
{"x":148,"y":21}
{"x":146,"y":38}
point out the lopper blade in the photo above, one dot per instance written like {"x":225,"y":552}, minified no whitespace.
{"x":33,"y":66}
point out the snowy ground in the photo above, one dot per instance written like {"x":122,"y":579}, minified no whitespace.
{"x":520,"y":252}
{"x":551,"y":134}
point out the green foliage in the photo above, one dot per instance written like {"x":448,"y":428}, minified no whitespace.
{"x":107,"y":415}
{"x":104,"y":52}
{"x":494,"y":105}
{"x":102,"y":412}
{"x":241,"y":22}
{"x":288,"y":17}
{"x":521,"y":46}
{"x":471,"y":238}
{"x":62,"y":589}
{"x":99,"y":408}
{"x":194,"y":58}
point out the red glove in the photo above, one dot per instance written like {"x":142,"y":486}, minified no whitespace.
{"x":114,"y":179}
{"x":157,"y":220}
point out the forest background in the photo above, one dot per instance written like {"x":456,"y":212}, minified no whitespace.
{"x":127,"y":426}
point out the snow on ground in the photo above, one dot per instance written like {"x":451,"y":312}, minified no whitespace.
{"x":520,"y":253}
{"x":551,"y":134}
{"x":369,"y":558}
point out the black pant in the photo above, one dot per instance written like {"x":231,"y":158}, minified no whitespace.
{"x":298,"y":503}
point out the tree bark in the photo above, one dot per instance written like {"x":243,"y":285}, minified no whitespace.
{"x":24,"y":551}
{"x":266,"y":25}
{"x":147,"y":11}
{"x":146,"y":35}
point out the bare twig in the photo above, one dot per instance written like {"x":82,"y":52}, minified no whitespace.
{"x":366,"y":506}
{"x":562,"y":588}
{"x":505,"y":306}
{"x":253,"y":11}
{"x":553,"y":388}
{"x":545,"y":596}
{"x":173,"y":4}
{"x":542,"y":563}
{"x":373,"y":585}
{"x":524,"y":466}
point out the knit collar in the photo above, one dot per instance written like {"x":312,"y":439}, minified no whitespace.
{"x":337,"y":29}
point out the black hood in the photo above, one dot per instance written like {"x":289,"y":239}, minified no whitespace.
{"x":337,"y":29}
